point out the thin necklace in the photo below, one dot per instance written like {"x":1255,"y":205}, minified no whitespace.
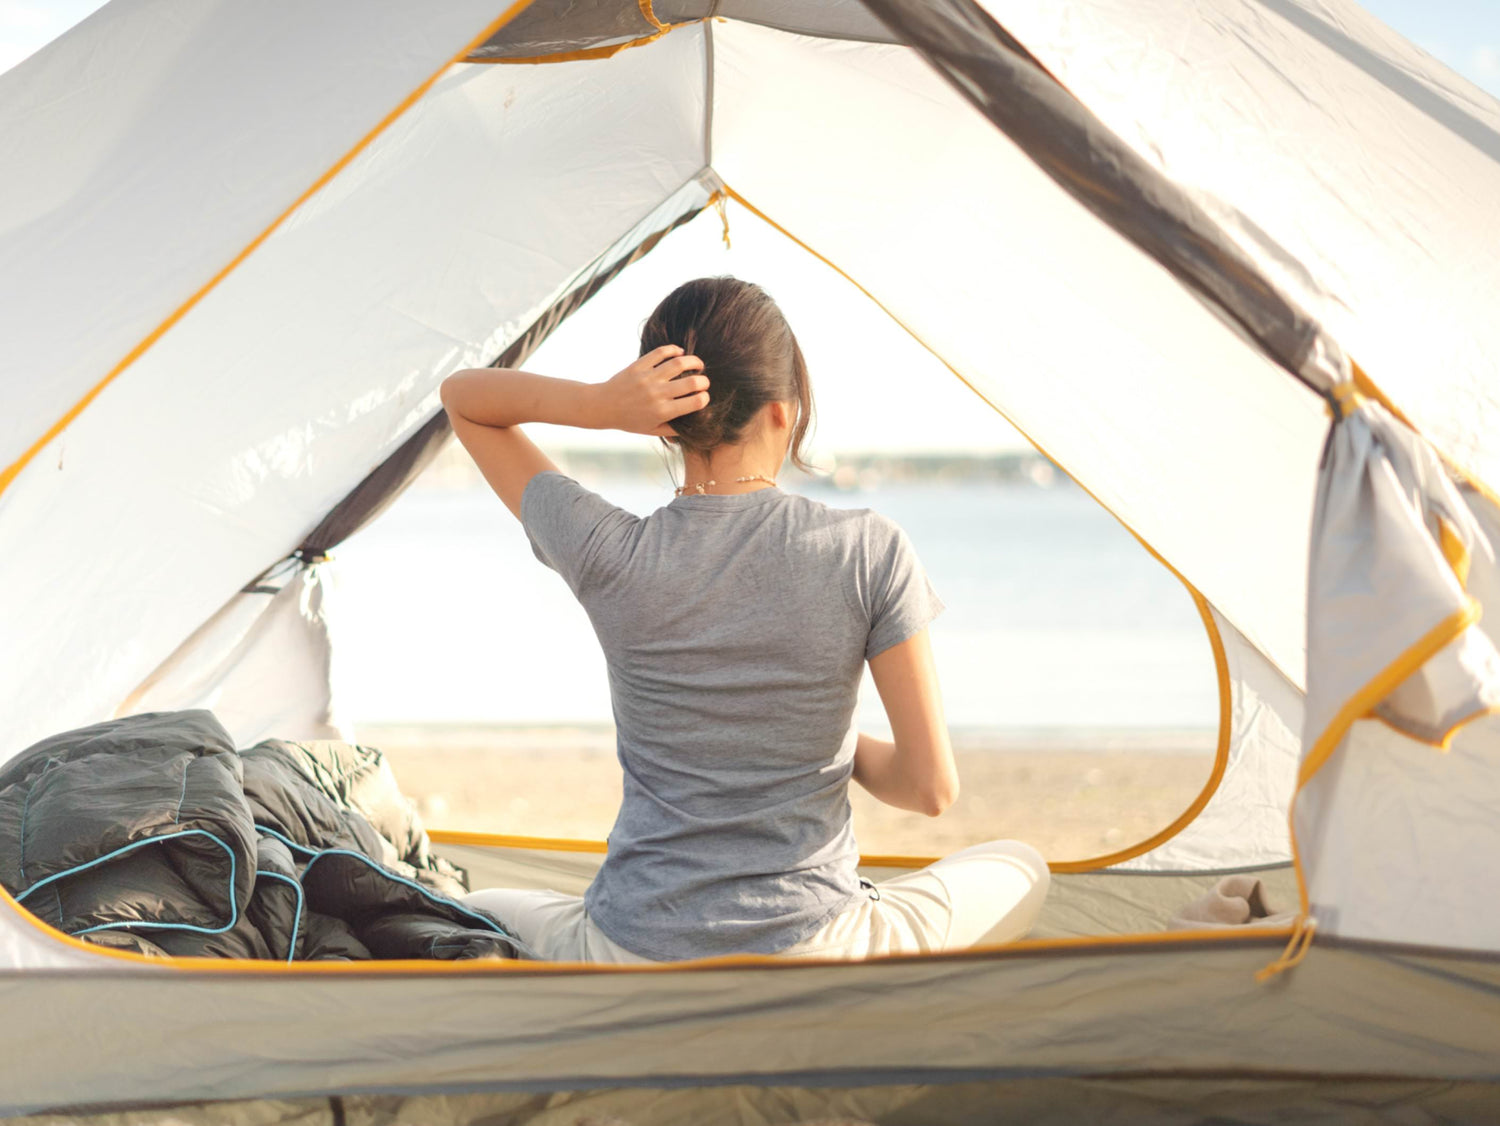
{"x":682,"y":490}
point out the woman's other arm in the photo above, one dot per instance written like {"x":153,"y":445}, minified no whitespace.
{"x":915,"y":769}
{"x":487,"y":406}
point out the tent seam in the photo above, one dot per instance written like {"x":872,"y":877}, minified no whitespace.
{"x":708,"y":86}
{"x":605,"y":51}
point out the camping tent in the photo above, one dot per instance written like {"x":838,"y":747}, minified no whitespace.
{"x":241,"y":245}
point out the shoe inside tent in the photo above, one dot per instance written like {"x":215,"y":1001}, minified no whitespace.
{"x":1233,"y":264}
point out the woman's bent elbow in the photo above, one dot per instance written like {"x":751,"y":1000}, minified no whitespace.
{"x":938,"y":799}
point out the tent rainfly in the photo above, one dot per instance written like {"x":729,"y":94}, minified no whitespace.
{"x":1233,"y":264}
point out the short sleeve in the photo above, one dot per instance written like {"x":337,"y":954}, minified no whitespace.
{"x":573,"y":530}
{"x":901,"y":598}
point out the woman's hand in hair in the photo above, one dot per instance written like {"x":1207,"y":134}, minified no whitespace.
{"x":643,"y":398}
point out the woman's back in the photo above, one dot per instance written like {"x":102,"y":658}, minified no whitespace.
{"x":735,"y":623}
{"x":735,"y":628}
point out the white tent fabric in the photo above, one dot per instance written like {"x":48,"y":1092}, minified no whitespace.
{"x":1249,"y":804}
{"x":263,"y":664}
{"x":1396,"y":815}
{"x":218,"y":96}
{"x":1021,"y":262}
{"x":1368,"y":161}
{"x":240,"y":427}
{"x":265,"y":282}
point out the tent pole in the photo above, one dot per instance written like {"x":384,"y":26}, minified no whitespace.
{"x":388,"y":480}
{"x":1027,"y":103}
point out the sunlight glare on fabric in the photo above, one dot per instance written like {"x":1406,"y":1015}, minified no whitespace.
{"x":876,"y":388}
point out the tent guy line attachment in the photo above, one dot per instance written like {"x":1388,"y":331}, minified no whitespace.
{"x":650,"y":14}
{"x":718,"y":199}
{"x":1296,"y":949}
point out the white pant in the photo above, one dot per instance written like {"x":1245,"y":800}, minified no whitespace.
{"x":992,"y":891}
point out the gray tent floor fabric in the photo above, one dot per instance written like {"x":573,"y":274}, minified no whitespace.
{"x":1167,"y":1011}
{"x":1100,"y":903}
{"x":1078,"y":904}
{"x":1115,"y":1029}
{"x":1175,"y":1101}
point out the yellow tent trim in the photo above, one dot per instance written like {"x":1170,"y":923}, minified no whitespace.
{"x":12,"y":471}
{"x":606,"y":50}
{"x":1221,"y":663}
{"x":408,"y":967}
{"x":1443,"y":742}
{"x":1360,"y":704}
{"x":1381,"y":686}
{"x":1454,"y":551}
{"x":584,"y":53}
{"x":650,"y":14}
{"x":568,"y":844}
{"x":1368,"y":386}
{"x":505,"y":840}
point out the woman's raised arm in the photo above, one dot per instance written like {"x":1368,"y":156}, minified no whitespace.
{"x":487,"y":406}
{"x":914,"y":770}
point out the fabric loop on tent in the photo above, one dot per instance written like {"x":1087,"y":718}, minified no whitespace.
{"x":1296,"y":949}
{"x":650,"y":14}
{"x":1344,"y":398}
{"x":718,"y":200}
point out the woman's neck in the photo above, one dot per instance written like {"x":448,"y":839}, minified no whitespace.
{"x":721,"y":472}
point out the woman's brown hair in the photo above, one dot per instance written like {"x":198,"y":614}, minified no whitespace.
{"x":749,"y":354}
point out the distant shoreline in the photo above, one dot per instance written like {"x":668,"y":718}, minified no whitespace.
{"x":841,"y":471}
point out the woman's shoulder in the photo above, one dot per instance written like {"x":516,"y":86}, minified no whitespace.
{"x":573,"y":529}
{"x":867,"y":527}
{"x":554,"y":487}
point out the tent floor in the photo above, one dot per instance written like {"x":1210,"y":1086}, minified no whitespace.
{"x":1109,"y":903}
{"x":1097,"y":903}
{"x":1078,"y":904}
{"x":1053,"y":1101}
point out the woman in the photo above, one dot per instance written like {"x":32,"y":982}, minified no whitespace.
{"x":735,"y":622}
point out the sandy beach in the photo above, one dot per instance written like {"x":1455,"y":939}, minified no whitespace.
{"x":1068,"y":800}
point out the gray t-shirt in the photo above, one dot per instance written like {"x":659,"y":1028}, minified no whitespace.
{"x":735,"y":629}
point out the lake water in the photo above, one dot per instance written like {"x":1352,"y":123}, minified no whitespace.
{"x":1057,"y":620}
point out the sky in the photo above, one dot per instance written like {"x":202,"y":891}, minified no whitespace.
{"x":837,"y":327}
